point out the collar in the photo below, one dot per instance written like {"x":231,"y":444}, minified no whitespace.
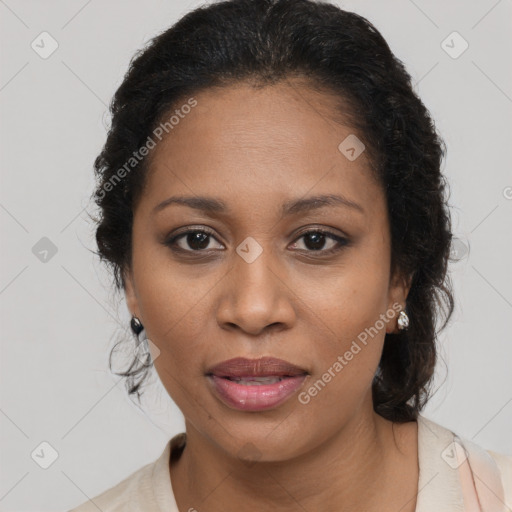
{"x":439,"y":485}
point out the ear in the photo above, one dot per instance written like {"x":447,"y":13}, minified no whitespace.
{"x":131,"y":293}
{"x":398,"y":291}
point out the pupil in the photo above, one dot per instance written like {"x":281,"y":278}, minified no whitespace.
{"x":201,"y":239}
{"x":318,"y":240}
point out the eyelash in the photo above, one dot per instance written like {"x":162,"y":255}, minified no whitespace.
{"x":342,"y":241}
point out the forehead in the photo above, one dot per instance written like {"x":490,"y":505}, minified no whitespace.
{"x":240,"y":142}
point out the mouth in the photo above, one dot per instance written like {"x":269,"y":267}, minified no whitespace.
{"x":257,"y":381}
{"x":255,"y":384}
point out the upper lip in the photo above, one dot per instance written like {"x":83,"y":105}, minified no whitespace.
{"x":263,"y":367}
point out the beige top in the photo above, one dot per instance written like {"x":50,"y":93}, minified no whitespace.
{"x":149,"y":489}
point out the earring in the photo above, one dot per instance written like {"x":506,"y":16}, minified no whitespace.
{"x":136,"y":325}
{"x":403,"y":321}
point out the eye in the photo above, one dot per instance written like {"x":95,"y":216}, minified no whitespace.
{"x":315,"y":240}
{"x":193,"y":240}
{"x":199,"y":239}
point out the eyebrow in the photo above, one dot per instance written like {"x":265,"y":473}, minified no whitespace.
{"x":292,"y":207}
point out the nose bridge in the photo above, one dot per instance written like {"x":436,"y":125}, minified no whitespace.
{"x":255,"y":296}
{"x":253,"y":264}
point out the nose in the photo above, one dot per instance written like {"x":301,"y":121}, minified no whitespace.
{"x":256,"y":296}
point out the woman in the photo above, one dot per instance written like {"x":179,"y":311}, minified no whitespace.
{"x":272,"y":206}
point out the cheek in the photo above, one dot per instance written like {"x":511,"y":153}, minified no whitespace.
{"x":354,"y":307}
{"x":345,"y":368}
{"x":178,"y":328}
{"x":174,"y":306}
{"x":353,"y":296}
{"x":177,"y":324}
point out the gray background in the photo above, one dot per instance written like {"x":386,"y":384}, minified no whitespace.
{"x":60,"y":317}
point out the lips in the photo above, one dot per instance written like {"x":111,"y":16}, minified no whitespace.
{"x":242,"y":368}
{"x":255,"y":384}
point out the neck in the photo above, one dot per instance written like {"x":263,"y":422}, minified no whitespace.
{"x":354,"y":469}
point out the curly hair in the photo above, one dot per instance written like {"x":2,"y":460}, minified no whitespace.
{"x":263,"y":42}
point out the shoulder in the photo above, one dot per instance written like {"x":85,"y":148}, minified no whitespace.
{"x":471,"y":469}
{"x":148,"y":488}
{"x":504,"y":463}
{"x":504,"y":466}
{"x":116,"y":499}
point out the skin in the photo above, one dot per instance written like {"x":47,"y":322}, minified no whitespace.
{"x":256,"y":149}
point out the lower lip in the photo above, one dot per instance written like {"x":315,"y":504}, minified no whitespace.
{"x":255,"y":397}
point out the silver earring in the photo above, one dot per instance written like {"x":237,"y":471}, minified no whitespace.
{"x":136,"y":325}
{"x":403,"y":320}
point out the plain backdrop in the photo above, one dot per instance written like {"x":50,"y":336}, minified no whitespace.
{"x":59,"y":316}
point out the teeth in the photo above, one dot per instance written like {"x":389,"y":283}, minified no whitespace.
{"x":255,"y":381}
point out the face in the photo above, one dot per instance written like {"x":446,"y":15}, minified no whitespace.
{"x":263,"y":271}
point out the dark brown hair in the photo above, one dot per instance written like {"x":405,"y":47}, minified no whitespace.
{"x":264,"y":42}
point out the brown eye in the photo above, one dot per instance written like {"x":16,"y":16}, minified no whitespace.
{"x":196,"y":240}
{"x":316,"y":240}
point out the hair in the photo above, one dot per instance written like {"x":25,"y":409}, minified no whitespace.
{"x":263,"y":42}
